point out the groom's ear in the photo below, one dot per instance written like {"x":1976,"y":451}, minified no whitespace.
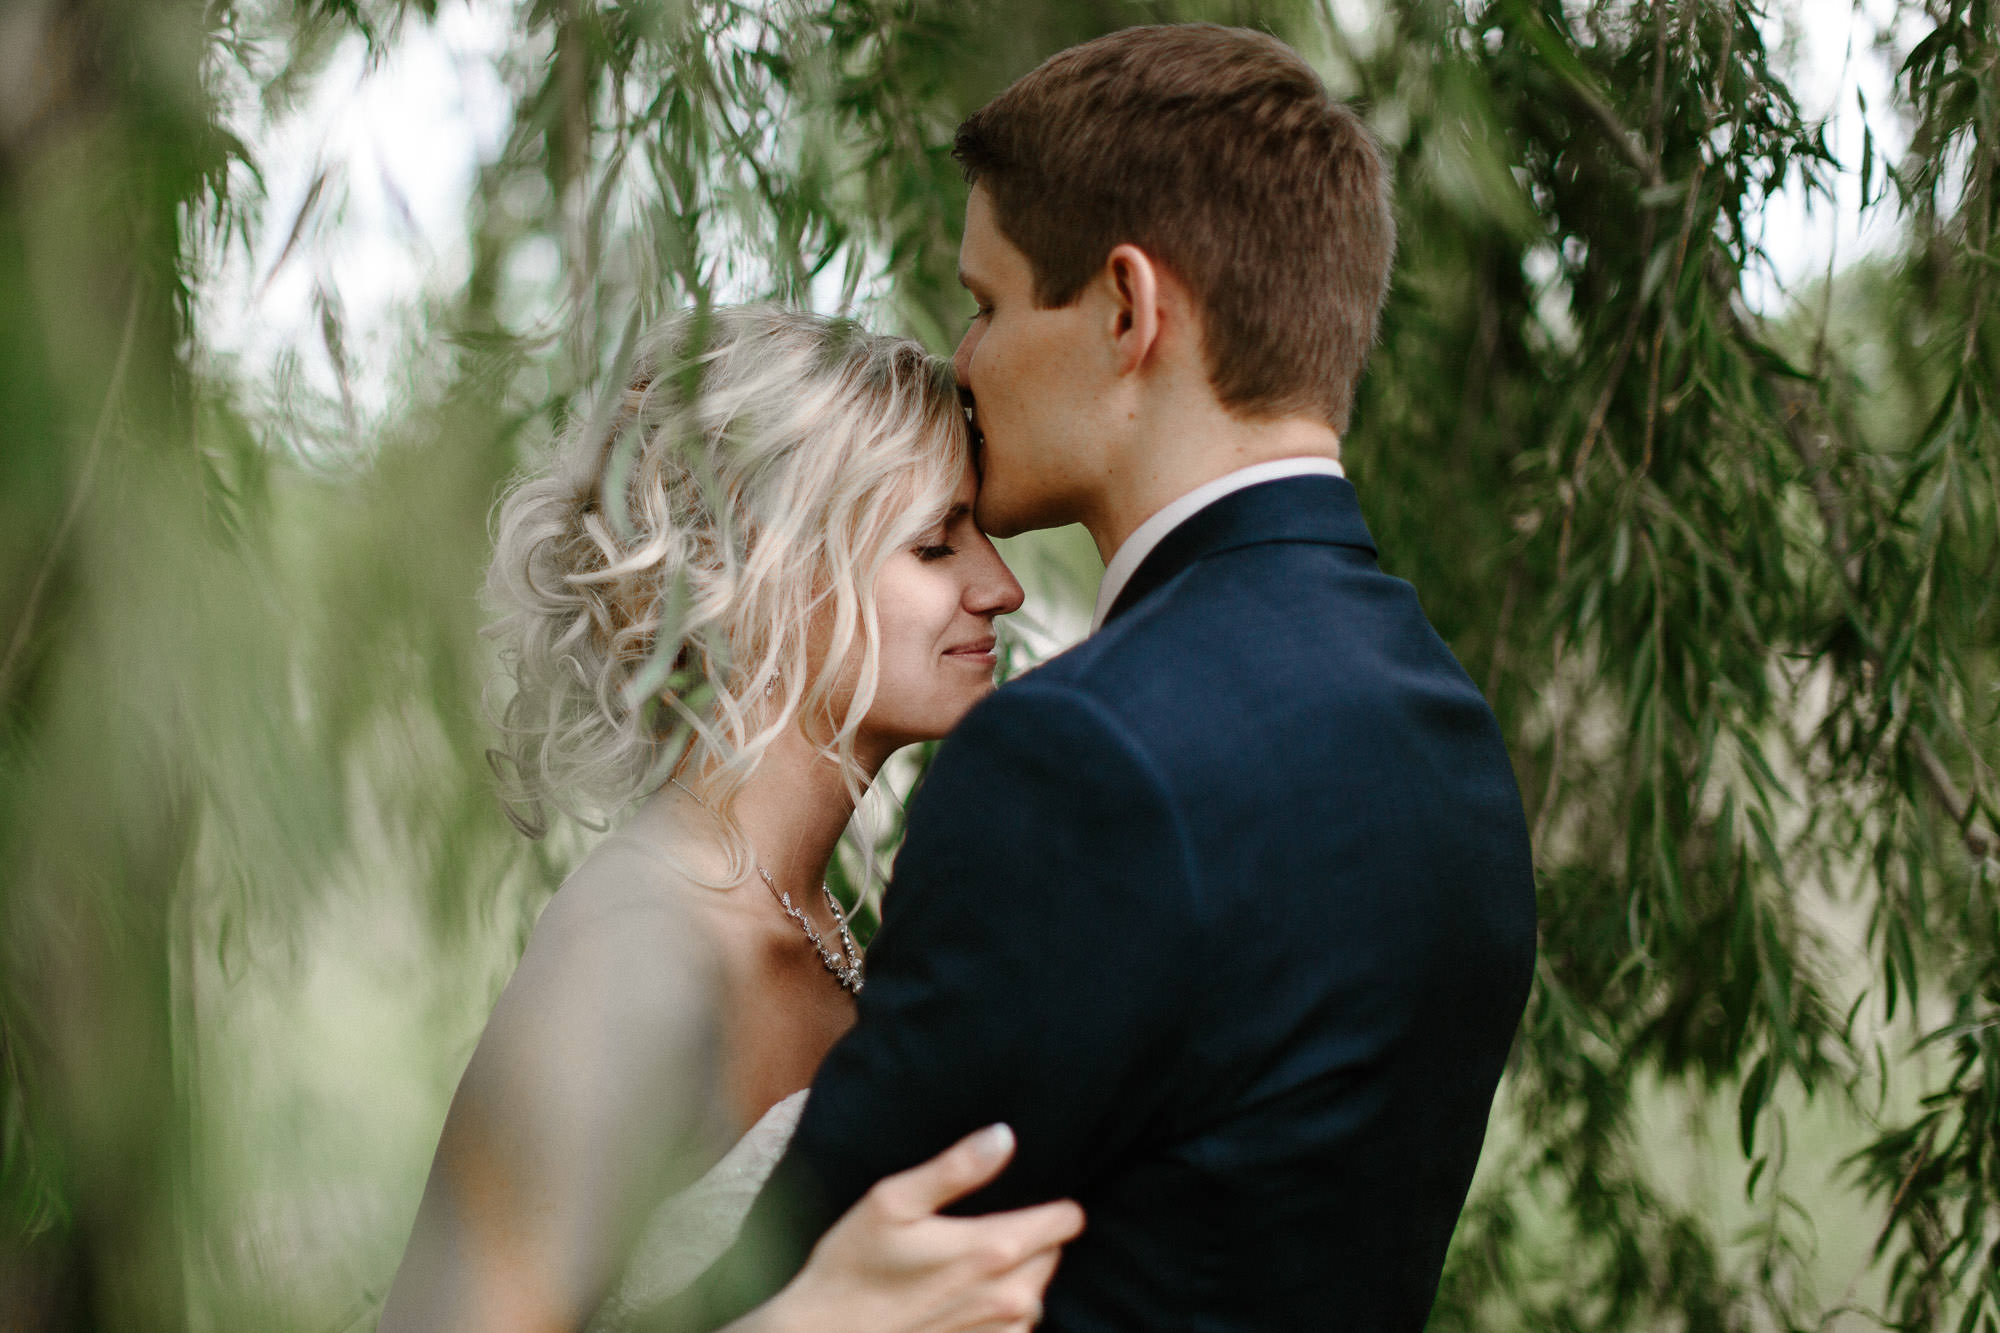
{"x":1134,"y":282}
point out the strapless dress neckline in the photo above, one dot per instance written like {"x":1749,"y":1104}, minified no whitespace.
{"x":692,"y":1229}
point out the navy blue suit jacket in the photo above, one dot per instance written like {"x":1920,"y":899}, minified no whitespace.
{"x":1228,"y":911}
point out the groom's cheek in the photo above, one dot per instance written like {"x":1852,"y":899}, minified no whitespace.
{"x":992,"y":516}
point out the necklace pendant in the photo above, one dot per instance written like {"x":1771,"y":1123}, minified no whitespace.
{"x":846,"y":969}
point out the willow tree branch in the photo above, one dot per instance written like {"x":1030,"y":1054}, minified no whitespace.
{"x":1808,"y":443}
{"x":30,"y":609}
{"x":1622,"y":136}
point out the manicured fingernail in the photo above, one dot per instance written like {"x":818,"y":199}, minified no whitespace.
{"x":993,"y":1142}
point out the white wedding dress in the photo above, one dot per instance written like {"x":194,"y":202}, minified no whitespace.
{"x":693,"y":1228}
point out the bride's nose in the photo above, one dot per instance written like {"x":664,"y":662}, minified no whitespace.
{"x":993,"y":590}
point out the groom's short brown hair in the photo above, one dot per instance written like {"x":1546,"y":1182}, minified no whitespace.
{"x":1219,"y":153}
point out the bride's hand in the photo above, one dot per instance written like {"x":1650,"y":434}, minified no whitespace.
{"x":894,"y":1264}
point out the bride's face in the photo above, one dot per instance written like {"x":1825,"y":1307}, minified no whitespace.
{"x":935,"y":604}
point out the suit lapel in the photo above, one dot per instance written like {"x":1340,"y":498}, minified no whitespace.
{"x":1294,"y":509}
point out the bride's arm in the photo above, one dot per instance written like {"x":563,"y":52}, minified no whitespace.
{"x":589,"y":1098}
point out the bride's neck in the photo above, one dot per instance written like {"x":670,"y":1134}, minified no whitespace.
{"x":793,"y":811}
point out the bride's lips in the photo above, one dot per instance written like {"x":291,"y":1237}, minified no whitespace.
{"x":979,"y":651}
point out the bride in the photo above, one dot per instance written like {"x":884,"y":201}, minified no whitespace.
{"x":729,"y":598}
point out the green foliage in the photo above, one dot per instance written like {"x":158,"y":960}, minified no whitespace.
{"x":1728,"y":581}
{"x":1740,"y":629}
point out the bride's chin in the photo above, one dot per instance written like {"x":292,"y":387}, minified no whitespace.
{"x":947,"y":724}
{"x":937,"y":724}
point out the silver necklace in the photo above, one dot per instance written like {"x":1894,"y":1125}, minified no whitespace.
{"x":846,"y":965}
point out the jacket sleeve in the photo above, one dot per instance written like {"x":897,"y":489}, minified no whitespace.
{"x":1036,"y":957}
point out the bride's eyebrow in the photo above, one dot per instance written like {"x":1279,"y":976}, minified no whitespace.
{"x":949,"y":518}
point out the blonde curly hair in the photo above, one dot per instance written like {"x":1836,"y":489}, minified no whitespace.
{"x":693,"y":569}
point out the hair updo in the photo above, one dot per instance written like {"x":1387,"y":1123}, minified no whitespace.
{"x":661,"y":576}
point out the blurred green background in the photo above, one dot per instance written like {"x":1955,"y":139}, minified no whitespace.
{"x":1705,"y":501}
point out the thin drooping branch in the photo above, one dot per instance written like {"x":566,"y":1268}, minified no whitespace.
{"x":1808,"y":443}
{"x":1621,"y":136}
{"x":30,"y":609}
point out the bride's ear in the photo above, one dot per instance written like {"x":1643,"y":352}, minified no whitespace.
{"x":1134,"y":283}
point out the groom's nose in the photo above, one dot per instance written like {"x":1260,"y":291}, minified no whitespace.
{"x":961,"y":362}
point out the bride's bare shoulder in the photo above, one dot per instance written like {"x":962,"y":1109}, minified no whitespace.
{"x":628,"y":881}
{"x":627,"y":937}
{"x":602,"y":1048}
{"x":593,"y":1093}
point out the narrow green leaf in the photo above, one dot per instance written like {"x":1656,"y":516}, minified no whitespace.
{"x":1750,"y":1104}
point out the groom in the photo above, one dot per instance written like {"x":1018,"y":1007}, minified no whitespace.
{"x":1228,"y":910}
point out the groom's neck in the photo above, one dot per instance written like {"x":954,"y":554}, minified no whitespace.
{"x":1183,"y":445}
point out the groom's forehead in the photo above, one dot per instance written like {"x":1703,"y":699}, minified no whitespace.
{"x":973,"y":278}
{"x":984,"y":252}
{"x":994,"y":267}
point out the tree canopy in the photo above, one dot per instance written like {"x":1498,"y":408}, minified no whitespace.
{"x":1730,"y":577}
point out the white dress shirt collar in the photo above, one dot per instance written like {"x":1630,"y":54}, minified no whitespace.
{"x":1128,"y":557}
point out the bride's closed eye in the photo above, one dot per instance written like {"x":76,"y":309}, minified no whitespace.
{"x":936,"y":551}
